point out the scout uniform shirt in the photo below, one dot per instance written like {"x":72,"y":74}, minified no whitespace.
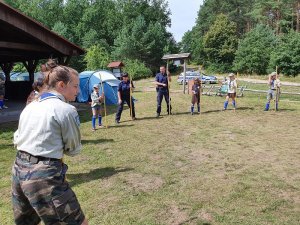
{"x":49,"y":127}
{"x":95,"y":99}
{"x":124,"y":89}
{"x":162,"y":78}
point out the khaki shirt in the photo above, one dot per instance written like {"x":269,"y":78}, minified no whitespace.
{"x":95,"y":99}
{"x":49,"y":127}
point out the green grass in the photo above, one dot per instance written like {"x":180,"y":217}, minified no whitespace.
{"x":214,"y":168}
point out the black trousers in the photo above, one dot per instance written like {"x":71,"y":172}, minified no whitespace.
{"x":160,"y":95}
{"x":120,"y":108}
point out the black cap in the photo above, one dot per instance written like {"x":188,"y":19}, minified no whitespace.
{"x":124,"y":74}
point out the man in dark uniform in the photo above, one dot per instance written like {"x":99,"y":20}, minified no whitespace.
{"x":124,"y":96}
{"x":162,"y":80}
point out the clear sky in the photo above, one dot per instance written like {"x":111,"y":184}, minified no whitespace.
{"x":183,"y":18}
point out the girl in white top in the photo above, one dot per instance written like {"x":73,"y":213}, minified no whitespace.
{"x":232,"y":86}
{"x":96,"y":106}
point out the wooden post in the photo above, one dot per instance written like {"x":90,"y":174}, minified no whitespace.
{"x":31,"y":66}
{"x":184,"y":75}
{"x":7,"y":68}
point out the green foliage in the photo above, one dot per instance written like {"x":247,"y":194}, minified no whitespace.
{"x":253,"y":54}
{"x":97,"y":58}
{"x":19,"y":67}
{"x":61,"y":29}
{"x":220,"y":43}
{"x":141,"y":41}
{"x":137,"y":69}
{"x":287,"y":54}
{"x":134,"y":29}
{"x":45,"y":11}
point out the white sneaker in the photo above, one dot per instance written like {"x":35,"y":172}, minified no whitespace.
{"x":5,"y":107}
{"x":0,"y":107}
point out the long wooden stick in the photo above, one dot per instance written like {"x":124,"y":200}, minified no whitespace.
{"x":130,"y":95}
{"x":277,"y":91}
{"x":102,"y":87}
{"x":169,"y":87}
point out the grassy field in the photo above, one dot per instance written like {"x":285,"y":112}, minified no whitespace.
{"x":219,"y":167}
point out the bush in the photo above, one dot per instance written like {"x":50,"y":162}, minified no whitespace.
{"x":253,"y":54}
{"x":287,"y":55}
{"x":97,"y":57}
{"x":136,"y":69}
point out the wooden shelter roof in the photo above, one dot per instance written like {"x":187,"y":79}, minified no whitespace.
{"x":24,"y":39}
{"x":177,"y":56}
{"x":115,"y":64}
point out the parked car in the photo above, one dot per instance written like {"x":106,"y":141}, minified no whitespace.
{"x":193,"y":75}
{"x":209,"y":79}
{"x":19,"y":76}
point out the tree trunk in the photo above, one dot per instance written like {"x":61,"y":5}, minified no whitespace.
{"x":298,"y":16}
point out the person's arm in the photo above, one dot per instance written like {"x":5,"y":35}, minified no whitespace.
{"x":119,"y":97}
{"x":270,"y":80}
{"x":158,"y":83}
{"x":71,"y":134}
{"x":101,"y":97}
{"x":161,"y":84}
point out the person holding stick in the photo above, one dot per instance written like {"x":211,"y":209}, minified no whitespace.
{"x":124,"y":95}
{"x":232,"y":87}
{"x":196,"y":92}
{"x":96,"y":106}
{"x":274,"y":91}
{"x":48,"y":129}
{"x":162,"y":80}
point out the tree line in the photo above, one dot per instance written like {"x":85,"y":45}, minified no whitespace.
{"x":252,"y":36}
{"x":132,"y":31}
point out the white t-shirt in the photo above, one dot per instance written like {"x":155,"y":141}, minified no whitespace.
{"x":232,"y":86}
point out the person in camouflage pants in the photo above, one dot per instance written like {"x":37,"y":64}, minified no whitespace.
{"x":41,"y":192}
{"x":48,"y":129}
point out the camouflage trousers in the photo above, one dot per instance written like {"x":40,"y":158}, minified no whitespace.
{"x":40,"y":192}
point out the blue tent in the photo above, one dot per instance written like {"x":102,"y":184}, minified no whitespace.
{"x":110,"y":85}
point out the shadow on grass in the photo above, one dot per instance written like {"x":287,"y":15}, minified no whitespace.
{"x":119,"y":125}
{"x":181,"y":113}
{"x":101,"y":173}
{"x":145,"y":118}
{"x":5,"y":146}
{"x":286,"y":110}
{"x":97,"y":141}
{"x":221,"y":110}
{"x":86,"y":114}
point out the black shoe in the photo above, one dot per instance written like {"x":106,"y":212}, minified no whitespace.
{"x":117,"y":121}
{"x":157,"y":115}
